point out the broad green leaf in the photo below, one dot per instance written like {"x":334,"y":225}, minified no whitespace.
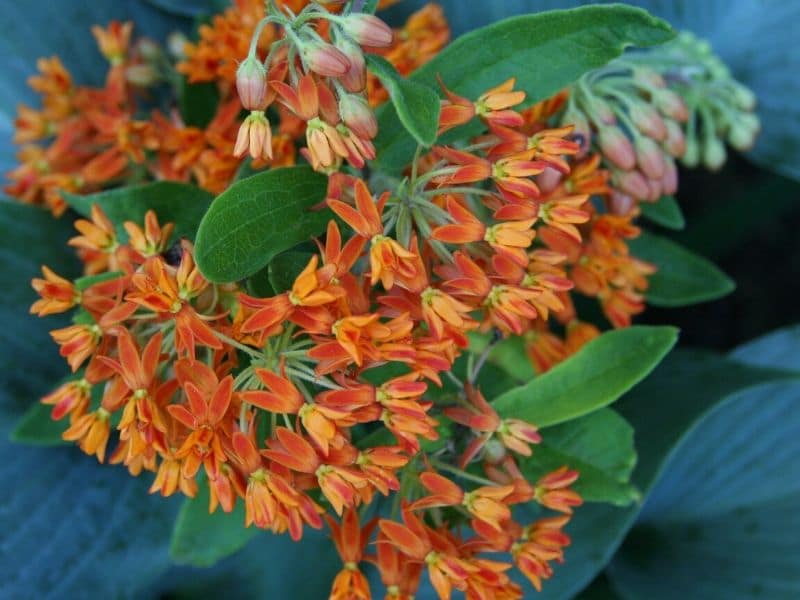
{"x":285,"y":268}
{"x":544,"y":52}
{"x":662,"y":410}
{"x":683,"y":278}
{"x":722,"y":521}
{"x":666,"y":212}
{"x":172,"y":202}
{"x":201,"y":539}
{"x":67,"y":521}
{"x":257,"y":218}
{"x":778,"y":350}
{"x":198,"y":102}
{"x":508,"y":354}
{"x":596,"y":376}
{"x":416,"y":105}
{"x":36,"y":428}
{"x":599,"y":446}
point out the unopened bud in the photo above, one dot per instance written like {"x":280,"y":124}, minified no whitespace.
{"x":582,"y":132}
{"x":358,"y":116}
{"x":251,"y":83}
{"x":632,"y":183}
{"x":548,"y":180}
{"x":675,"y":143}
{"x":142,"y":75}
{"x":691,"y":156}
{"x":743,"y":131}
{"x":148,"y":50}
{"x":649,"y":77}
{"x":669,"y":182}
{"x":355,"y":80}
{"x":671,"y":105}
{"x":601,"y":112}
{"x":325,"y":59}
{"x":616,"y":147}
{"x":620,"y":203}
{"x":743,"y":96}
{"x":367,"y":30}
{"x":649,"y":157}
{"x":648,"y":121}
{"x":655,"y":190}
{"x":714,"y":153}
{"x":176,"y":45}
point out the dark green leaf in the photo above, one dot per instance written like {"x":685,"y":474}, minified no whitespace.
{"x":198,"y":102}
{"x":778,"y":350}
{"x":416,"y":105}
{"x":683,"y":278}
{"x":689,"y":385}
{"x":544,"y":51}
{"x":257,"y":218}
{"x":508,"y":354}
{"x":285,"y":268}
{"x":666,"y":212}
{"x":81,"y":283}
{"x":596,"y":376}
{"x":201,"y":539}
{"x":36,"y":428}
{"x":599,"y":446}
{"x":173,"y":202}
{"x":370,"y":6}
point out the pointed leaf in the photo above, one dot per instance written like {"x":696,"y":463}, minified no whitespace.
{"x":417,"y":105}
{"x":596,"y":376}
{"x":683,"y":278}
{"x":172,"y":202}
{"x":257,"y":218}
{"x":545,"y":52}
{"x":666,"y":212}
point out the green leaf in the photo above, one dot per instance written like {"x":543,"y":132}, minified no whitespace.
{"x":285,"y":268}
{"x":172,"y":202}
{"x":662,"y":409}
{"x":666,"y":212}
{"x":257,"y":218}
{"x":416,"y":105}
{"x":36,"y":428}
{"x":201,"y":539}
{"x":600,"y":446}
{"x":596,"y":376}
{"x":722,"y":521}
{"x":81,"y":283}
{"x":778,"y":350}
{"x":545,"y":52}
{"x":198,"y":102}
{"x":508,"y":354}
{"x":370,"y":6}
{"x":683,"y":278}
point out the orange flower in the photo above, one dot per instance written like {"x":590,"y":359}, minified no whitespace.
{"x":553,"y":491}
{"x":57,"y":294}
{"x":91,"y":431}
{"x":78,"y":342}
{"x":114,"y":41}
{"x":541,"y":542}
{"x":152,"y":239}
{"x":351,"y":540}
{"x":70,"y":398}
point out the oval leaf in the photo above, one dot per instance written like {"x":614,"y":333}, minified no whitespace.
{"x":173,"y":202}
{"x":666,"y":212}
{"x":600,"y":446}
{"x":596,"y":376}
{"x":201,"y":539}
{"x":417,"y":106}
{"x":257,"y":218}
{"x":683,"y":278}
{"x":545,"y":52}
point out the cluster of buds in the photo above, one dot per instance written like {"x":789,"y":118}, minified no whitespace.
{"x":637,"y":122}
{"x":321,"y":80}
{"x":720,"y":108}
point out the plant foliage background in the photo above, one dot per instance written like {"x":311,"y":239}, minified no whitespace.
{"x":715,"y":430}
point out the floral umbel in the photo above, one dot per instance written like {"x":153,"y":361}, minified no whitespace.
{"x":356,"y":398}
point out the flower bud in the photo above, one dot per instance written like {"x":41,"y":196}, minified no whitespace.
{"x":743,"y":131}
{"x":325,"y":59}
{"x":620,"y":203}
{"x":251,"y":83}
{"x":548,"y":180}
{"x":648,"y":121}
{"x":714,"y":154}
{"x":669,"y":183}
{"x":691,"y":156}
{"x":355,"y":80}
{"x":358,"y":116}
{"x":176,"y":44}
{"x":655,"y":190}
{"x":632,"y":183}
{"x":743,"y":96}
{"x":675,"y":143}
{"x":142,"y":75}
{"x":601,"y":113}
{"x":649,"y":157}
{"x":582,"y":132}
{"x":616,"y":147}
{"x":671,"y":105}
{"x":367,"y":30}
{"x":148,"y":50}
{"x":649,"y":77}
